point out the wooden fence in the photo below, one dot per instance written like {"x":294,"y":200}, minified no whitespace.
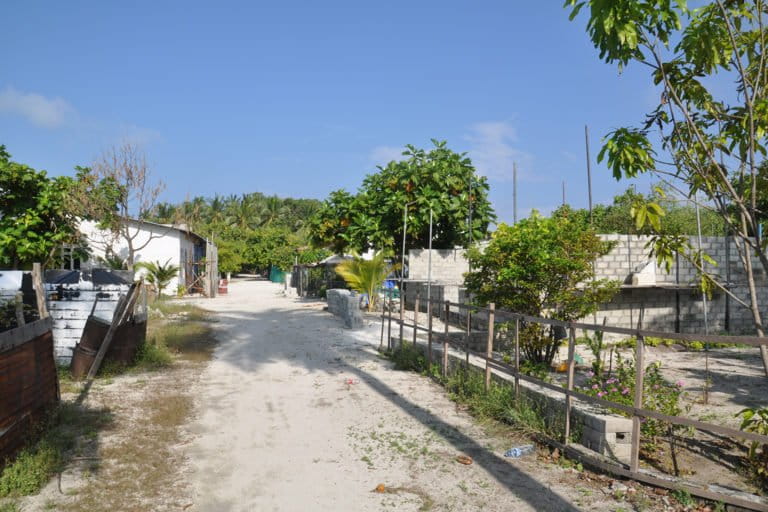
{"x":444,"y":311}
{"x":28,"y":382}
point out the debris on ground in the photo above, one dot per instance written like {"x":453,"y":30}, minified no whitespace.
{"x":464,"y":459}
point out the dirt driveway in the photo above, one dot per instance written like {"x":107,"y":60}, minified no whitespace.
{"x":296,"y":413}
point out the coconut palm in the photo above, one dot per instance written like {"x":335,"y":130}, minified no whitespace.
{"x":366,"y":276}
{"x":158,"y":274}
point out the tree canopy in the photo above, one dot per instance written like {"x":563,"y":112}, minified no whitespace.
{"x":252,"y":231}
{"x":39,"y":213}
{"x":373,"y":218}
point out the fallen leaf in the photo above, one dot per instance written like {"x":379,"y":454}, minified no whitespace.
{"x":464,"y":459}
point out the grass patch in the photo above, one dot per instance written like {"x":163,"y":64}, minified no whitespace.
{"x":498,"y":404}
{"x":9,"y":507}
{"x":69,"y":431}
{"x":171,"y":308}
{"x":139,"y":466}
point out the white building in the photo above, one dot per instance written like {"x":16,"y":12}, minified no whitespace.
{"x":164,"y":244}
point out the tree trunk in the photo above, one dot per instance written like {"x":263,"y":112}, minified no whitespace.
{"x":753,"y":300}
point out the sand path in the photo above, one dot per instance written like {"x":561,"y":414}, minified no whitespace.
{"x":296,"y":413}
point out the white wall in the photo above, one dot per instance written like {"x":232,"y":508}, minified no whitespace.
{"x":165,"y":246}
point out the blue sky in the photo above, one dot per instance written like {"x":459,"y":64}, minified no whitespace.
{"x":301,"y":98}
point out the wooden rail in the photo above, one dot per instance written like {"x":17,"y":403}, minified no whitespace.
{"x":636,"y":411}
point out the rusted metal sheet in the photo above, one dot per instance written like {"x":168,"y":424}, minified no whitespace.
{"x":126,"y":341}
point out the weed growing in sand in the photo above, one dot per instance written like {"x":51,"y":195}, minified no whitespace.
{"x":58,"y":439}
{"x":9,"y":507}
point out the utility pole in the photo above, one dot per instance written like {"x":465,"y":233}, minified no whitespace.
{"x":514,"y":192}
{"x":589,"y":171}
{"x":563,"y":192}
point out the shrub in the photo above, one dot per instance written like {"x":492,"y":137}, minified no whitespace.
{"x":756,"y":420}
{"x":658,"y":394}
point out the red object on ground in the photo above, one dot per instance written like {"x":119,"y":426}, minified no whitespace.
{"x":223,"y":286}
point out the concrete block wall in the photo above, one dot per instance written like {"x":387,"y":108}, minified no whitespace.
{"x":629,"y":252}
{"x":346,"y":306}
{"x":448,"y":265}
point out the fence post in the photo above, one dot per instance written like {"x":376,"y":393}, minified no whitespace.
{"x":429,"y":334}
{"x":389,"y":325}
{"x":445,"y":339}
{"x":416,"y":315}
{"x":402,"y":315}
{"x":468,"y":334}
{"x":489,"y":344}
{"x":571,"y":366}
{"x":517,"y":359}
{"x":37,"y":282}
{"x":19,"y":300}
{"x":638,"y":403}
{"x":383,"y":313}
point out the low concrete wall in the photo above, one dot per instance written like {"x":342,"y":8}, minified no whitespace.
{"x":605,"y":433}
{"x":346,"y":306}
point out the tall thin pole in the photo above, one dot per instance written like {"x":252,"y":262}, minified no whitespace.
{"x":514,"y":192}
{"x":402,"y":273}
{"x":429,"y":266}
{"x":563,"y":192}
{"x":589,"y":171}
{"x":704,"y":298}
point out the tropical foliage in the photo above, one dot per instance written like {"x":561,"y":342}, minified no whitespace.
{"x":252,"y":231}
{"x":38,"y":213}
{"x":366,"y":276}
{"x":708,"y":135}
{"x":439,"y":179}
{"x":679,"y":216}
{"x":541,"y":267}
{"x":158,"y":274}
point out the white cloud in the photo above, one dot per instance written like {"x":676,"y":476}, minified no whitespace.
{"x":492,"y":152}
{"x":382,"y":155}
{"x":37,"y":109}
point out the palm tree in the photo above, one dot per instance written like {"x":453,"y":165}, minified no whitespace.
{"x":158,"y":275}
{"x":366,"y":276}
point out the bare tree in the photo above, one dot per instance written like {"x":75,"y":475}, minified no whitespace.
{"x":125,"y":165}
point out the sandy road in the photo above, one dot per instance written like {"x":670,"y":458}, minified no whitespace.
{"x":297,"y":414}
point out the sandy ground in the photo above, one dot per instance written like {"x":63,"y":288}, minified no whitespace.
{"x":296,"y":413}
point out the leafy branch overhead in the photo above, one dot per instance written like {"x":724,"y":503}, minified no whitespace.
{"x":705,"y":139}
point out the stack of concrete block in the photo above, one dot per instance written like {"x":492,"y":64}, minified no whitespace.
{"x":346,"y":306}
{"x":608,"y":435}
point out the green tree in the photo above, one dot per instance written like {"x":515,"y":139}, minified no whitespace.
{"x":366,"y":276}
{"x":710,"y":145}
{"x":439,"y":179}
{"x":541,"y":267}
{"x":34,"y":215}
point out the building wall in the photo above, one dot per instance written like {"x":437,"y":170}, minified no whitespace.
{"x":165,"y":247}
{"x":664,"y":308}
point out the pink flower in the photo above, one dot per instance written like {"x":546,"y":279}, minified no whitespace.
{"x":614,"y":390}
{"x":625,"y":391}
{"x":611,"y":380}
{"x":601,"y":394}
{"x":591,"y":373}
{"x":595,"y":386}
